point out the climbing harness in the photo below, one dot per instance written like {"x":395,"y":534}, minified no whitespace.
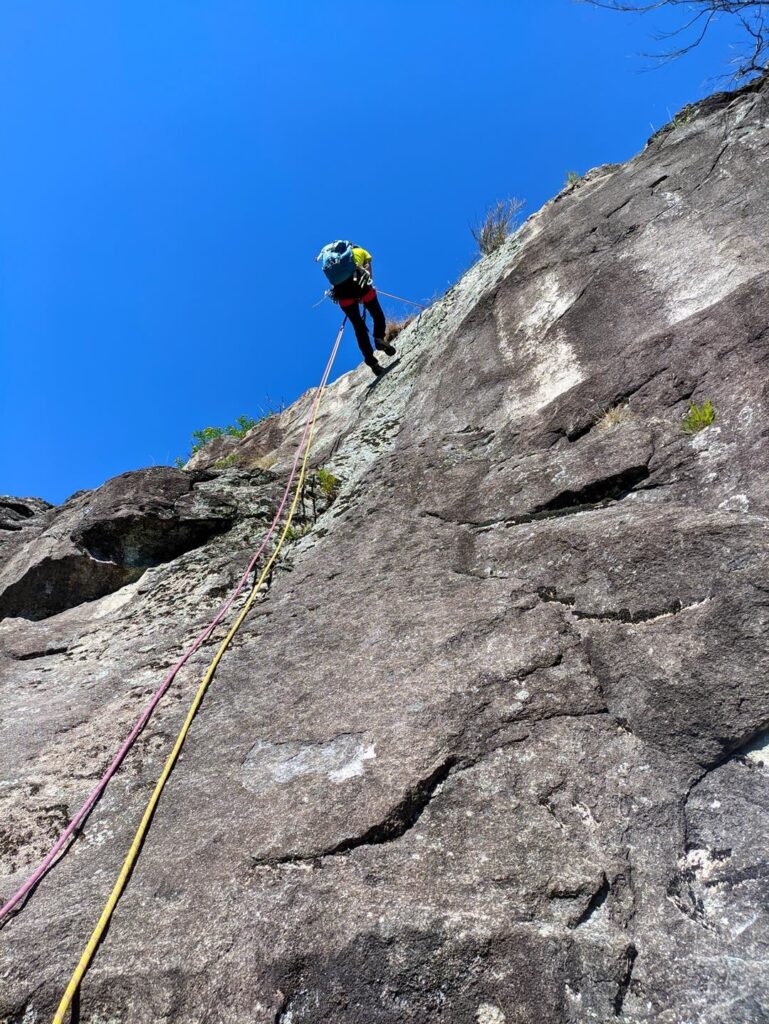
{"x":78,"y":820}
{"x":398,"y":298}
{"x":136,"y":844}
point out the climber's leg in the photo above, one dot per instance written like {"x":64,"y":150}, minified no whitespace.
{"x":371,"y":303}
{"x":361,"y":331}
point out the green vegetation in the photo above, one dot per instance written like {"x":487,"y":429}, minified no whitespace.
{"x":226,"y":463}
{"x":699,"y":416}
{"x":572,"y":179}
{"x":200,"y":438}
{"x":683,"y":117}
{"x":328,"y":483}
{"x":498,"y":224}
{"x":297,"y":532}
{"x":239,"y":428}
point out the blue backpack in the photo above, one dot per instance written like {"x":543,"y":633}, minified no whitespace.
{"x":337,"y":261}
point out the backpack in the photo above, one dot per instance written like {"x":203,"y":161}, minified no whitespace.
{"x":337,"y":261}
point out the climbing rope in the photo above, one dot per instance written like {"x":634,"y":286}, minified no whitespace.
{"x":401,"y":299}
{"x":141,"y":832}
{"x":77,"y":821}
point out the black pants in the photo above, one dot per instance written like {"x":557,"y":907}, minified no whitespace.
{"x":355,"y":317}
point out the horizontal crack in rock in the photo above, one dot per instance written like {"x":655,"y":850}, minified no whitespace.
{"x":625,"y":615}
{"x":46,"y":653}
{"x":610,"y":488}
{"x":600,"y":494}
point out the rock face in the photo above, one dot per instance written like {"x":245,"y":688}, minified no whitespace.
{"x":495,"y":749}
{"x":97,"y":542}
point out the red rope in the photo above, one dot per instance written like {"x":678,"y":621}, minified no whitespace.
{"x":99,"y":788}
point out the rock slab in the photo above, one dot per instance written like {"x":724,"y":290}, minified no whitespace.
{"x":494,"y":749}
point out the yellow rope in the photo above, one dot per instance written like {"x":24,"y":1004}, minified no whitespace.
{"x":144,"y":825}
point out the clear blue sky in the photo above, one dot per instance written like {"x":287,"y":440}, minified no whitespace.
{"x":170,"y":169}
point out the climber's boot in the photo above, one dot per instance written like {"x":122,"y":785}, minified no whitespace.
{"x":382,"y":346}
{"x":376,"y":369}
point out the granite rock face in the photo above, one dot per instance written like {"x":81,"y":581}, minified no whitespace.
{"x":101,"y":540}
{"x":495,"y":748}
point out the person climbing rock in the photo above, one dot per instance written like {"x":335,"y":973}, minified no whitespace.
{"x":348,"y":269}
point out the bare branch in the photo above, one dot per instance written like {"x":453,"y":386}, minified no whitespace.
{"x":699,"y":16}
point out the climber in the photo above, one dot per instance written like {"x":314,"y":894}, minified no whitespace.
{"x":348,"y":268}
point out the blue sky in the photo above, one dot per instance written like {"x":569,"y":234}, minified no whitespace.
{"x":171,"y":169}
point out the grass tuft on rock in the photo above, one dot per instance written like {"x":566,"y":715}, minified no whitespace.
{"x":227,"y":462}
{"x":498,"y":224}
{"x":699,"y":416}
{"x":614,"y":417}
{"x":394,"y":327}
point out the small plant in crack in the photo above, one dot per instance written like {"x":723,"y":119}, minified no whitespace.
{"x":614,"y":417}
{"x":572,"y":179}
{"x":328,"y":483}
{"x":294,"y":533}
{"x":683,"y":117}
{"x":699,"y":416}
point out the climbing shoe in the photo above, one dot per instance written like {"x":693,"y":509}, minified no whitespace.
{"x":375,"y":368}
{"x":383,"y":346}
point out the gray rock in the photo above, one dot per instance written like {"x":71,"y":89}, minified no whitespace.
{"x":18,"y":513}
{"x":492,"y":748}
{"x":103,"y":539}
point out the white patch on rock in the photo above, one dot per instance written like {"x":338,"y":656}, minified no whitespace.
{"x":340,"y":759}
{"x":699,"y":861}
{"x":99,"y":834}
{"x":556,"y":370}
{"x":736,"y":503}
{"x":574,"y":997}
{"x":543,"y":371}
{"x":355,"y":766}
{"x":586,"y":814}
{"x":688,"y":267}
{"x":745,"y":417}
{"x":704,"y":438}
{"x":489,"y":1014}
{"x":551,"y":304}
{"x":758,"y":750}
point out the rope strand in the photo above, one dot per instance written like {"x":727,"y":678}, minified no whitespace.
{"x":401,"y":299}
{"x":144,"y":825}
{"x":79,"y":819}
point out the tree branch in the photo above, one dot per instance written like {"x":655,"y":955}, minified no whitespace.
{"x":752,"y":15}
